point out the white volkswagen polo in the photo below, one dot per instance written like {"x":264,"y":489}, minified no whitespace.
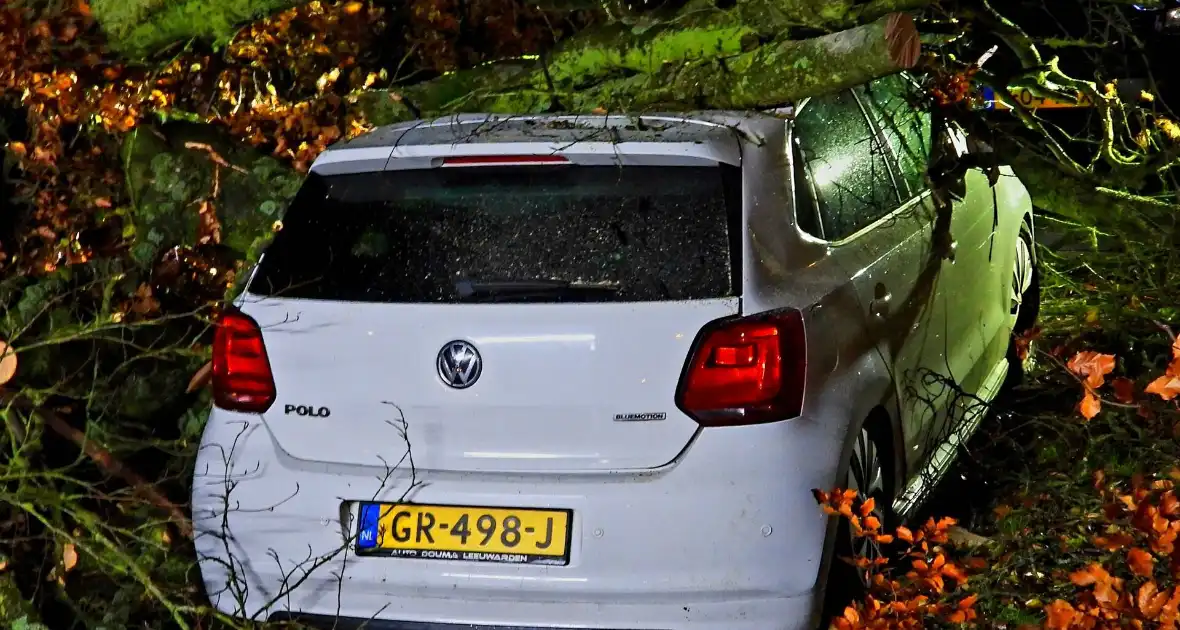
{"x":583,"y":372}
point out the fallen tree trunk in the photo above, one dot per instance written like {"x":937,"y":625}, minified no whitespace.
{"x":138,"y":28}
{"x":764,"y":75}
{"x":780,"y":73}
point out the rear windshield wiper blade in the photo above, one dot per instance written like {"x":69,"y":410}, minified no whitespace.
{"x":508,"y":289}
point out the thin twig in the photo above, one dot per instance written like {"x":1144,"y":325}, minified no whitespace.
{"x":1166,"y":328}
{"x":213,"y":155}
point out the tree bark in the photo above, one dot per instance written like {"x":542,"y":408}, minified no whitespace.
{"x":779,"y":73}
{"x":696,"y":68}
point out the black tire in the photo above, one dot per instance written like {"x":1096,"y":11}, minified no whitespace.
{"x":846,"y":583}
{"x":1024,"y":301}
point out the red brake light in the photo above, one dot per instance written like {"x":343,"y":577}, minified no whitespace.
{"x":242,"y":380}
{"x":503,"y":160}
{"x":746,"y":371}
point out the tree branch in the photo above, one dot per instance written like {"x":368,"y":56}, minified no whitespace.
{"x":103,"y":459}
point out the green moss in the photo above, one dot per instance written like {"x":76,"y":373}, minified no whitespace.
{"x":582,"y":64}
{"x":769,"y":75}
{"x":591,"y":71}
{"x":138,"y":28}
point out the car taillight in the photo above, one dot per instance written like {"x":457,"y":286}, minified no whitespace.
{"x":242,"y":380}
{"x":746,"y":371}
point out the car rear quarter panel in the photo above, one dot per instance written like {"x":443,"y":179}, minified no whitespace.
{"x":787,"y":268}
{"x":847,"y":381}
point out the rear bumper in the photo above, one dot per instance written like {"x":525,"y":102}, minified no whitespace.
{"x":786,"y":614}
{"x":726,"y":538}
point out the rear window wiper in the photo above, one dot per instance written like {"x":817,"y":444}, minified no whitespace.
{"x":509,"y":290}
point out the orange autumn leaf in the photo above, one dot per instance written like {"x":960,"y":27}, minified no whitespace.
{"x":867,"y":507}
{"x":1166,"y":386}
{"x":1107,"y":594}
{"x":1140,"y":562}
{"x":1090,"y":405}
{"x":977,"y":564}
{"x":8,"y":362}
{"x":1113,"y":542}
{"x":1169,"y":504}
{"x":953,"y":572}
{"x":69,"y":557}
{"x":1061,"y":615}
{"x":1170,"y":612}
{"x":957,"y":616}
{"x":1090,"y":575}
{"x":1023,"y":342}
{"x":1092,"y":366}
{"x":1124,"y":389}
{"x":1149,"y":600}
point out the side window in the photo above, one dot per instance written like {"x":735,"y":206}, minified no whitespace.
{"x":890,"y":103}
{"x":846,"y":164}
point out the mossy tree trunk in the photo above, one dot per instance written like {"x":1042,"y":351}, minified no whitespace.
{"x":705,"y":67}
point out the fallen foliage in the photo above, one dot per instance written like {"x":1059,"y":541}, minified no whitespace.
{"x":929,"y":583}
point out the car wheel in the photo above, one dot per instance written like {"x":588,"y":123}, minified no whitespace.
{"x":1024,"y":301}
{"x":866,"y":475}
{"x":1024,"y":296}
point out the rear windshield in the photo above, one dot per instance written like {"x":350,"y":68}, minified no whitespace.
{"x":644,"y":233}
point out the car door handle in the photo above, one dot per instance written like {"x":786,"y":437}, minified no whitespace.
{"x":879,"y":307}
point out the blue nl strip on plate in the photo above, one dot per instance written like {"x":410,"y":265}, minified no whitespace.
{"x":366,"y":538}
{"x":989,"y":98}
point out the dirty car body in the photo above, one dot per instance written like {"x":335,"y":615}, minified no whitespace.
{"x":559,"y":371}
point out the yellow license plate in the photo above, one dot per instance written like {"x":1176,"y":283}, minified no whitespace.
{"x":1025,"y":97}
{"x":464,"y":533}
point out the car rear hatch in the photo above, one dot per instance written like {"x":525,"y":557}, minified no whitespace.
{"x":504,"y":315}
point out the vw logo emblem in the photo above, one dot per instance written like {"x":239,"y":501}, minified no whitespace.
{"x":459,"y":364}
